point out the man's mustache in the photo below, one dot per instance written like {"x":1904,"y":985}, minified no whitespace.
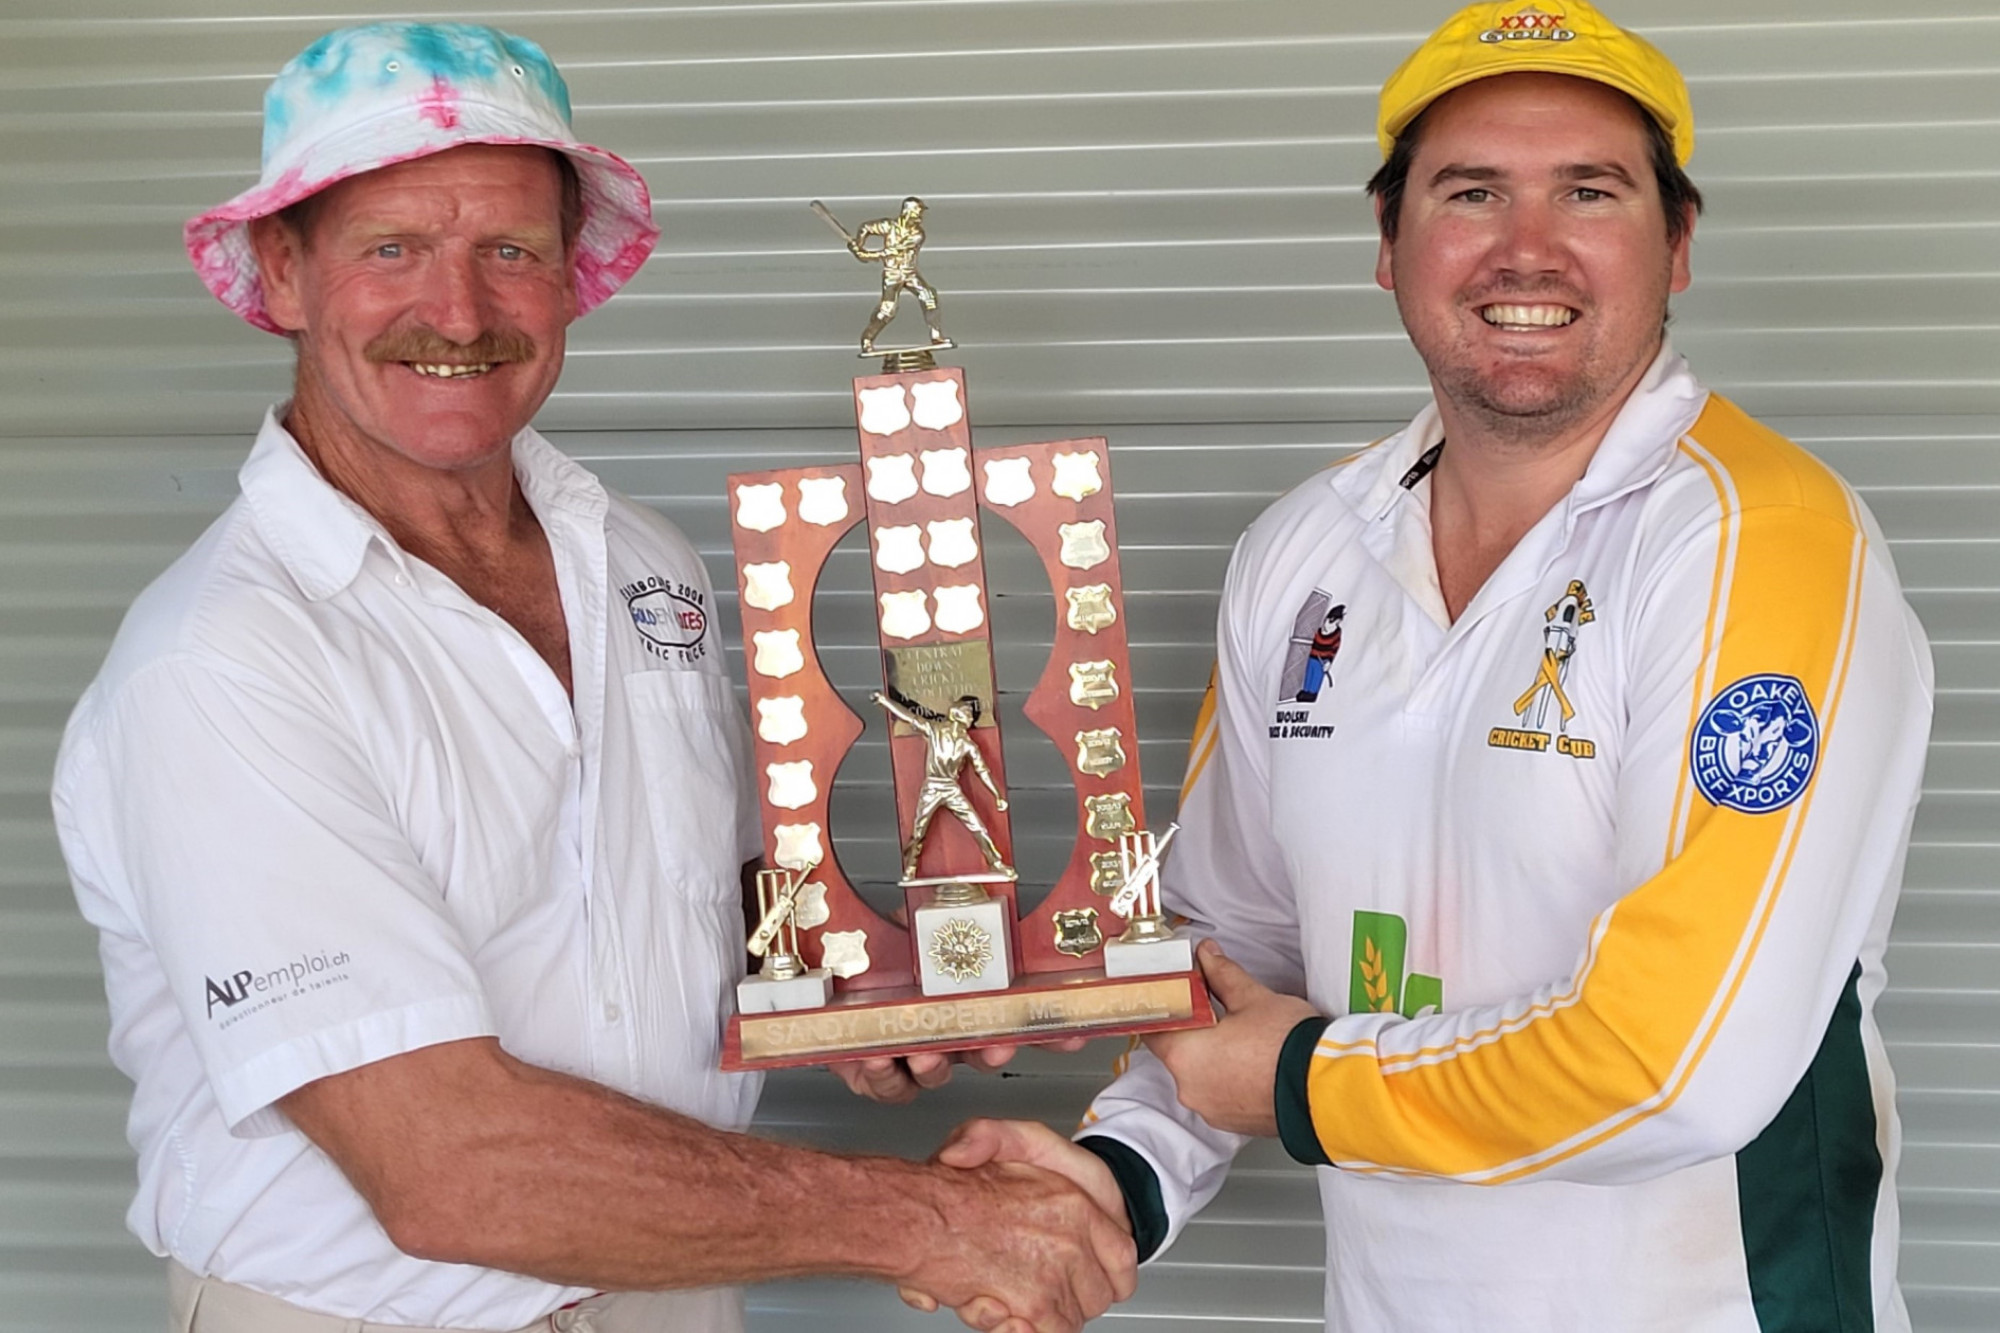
{"x":428,"y":346}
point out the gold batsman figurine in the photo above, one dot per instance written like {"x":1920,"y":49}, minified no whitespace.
{"x":948,"y":748}
{"x":900,"y":238}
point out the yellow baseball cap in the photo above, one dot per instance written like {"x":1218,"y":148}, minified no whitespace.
{"x":1543,"y":35}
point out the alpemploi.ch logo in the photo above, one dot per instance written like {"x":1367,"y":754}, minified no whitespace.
{"x":260,"y":988}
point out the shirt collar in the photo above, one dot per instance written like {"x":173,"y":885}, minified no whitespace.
{"x":1634,"y":451}
{"x":321,"y":536}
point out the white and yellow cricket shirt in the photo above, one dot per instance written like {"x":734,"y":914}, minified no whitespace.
{"x":1595,"y":882}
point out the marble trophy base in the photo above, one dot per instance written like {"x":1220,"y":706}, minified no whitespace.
{"x":1170,"y":951}
{"x":773,"y":995}
{"x":962,"y":948}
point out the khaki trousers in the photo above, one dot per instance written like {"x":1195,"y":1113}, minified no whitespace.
{"x":206,"y":1305}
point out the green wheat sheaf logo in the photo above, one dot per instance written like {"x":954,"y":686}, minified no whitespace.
{"x":1376,"y":983}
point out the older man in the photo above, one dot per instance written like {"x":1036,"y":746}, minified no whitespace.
{"x":407,"y":802}
{"x":1584,"y":848}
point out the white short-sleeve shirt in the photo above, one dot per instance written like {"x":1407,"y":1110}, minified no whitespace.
{"x":323,"y":808}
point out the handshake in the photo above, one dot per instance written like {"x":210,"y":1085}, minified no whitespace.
{"x":1032,"y":1231}
{"x":1032,"y":1234}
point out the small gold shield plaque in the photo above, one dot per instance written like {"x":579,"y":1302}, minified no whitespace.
{"x":1108,"y":816}
{"x":1107,"y":873}
{"x":1077,"y":933}
{"x":1100,"y":753}
{"x":1083,"y":544}
{"x":1092,"y":684}
{"x":1090,"y":608}
{"x":1076,"y":476}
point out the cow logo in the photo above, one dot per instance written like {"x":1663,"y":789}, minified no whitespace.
{"x":1529,"y":24}
{"x":1756,"y":745}
{"x":670,"y":618}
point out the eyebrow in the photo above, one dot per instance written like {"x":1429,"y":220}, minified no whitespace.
{"x":1577,"y":171}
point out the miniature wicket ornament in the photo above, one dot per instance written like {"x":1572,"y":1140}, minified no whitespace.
{"x":972,"y":968}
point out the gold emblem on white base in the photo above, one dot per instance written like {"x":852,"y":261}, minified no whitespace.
{"x":961,"y":948}
{"x":961,"y":941}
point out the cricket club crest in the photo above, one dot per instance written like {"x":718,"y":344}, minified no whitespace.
{"x":1571,"y":611}
{"x":1547,"y":699}
{"x":1756,"y":745}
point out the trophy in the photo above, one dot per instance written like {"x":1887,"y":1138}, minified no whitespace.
{"x":965,"y":966}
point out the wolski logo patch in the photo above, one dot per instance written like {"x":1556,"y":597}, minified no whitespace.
{"x":1308,"y":673}
{"x":670,"y":618}
{"x":1756,"y":745}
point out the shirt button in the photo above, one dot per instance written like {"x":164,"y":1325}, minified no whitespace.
{"x":402,"y":580}
{"x":612,"y":1013}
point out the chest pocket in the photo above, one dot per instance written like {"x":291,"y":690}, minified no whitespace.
{"x":693,"y":756}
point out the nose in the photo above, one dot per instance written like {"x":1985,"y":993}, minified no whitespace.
{"x":1529,"y":243}
{"x":456,"y":300}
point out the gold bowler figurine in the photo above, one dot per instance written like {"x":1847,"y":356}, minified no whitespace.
{"x":972,"y":959}
{"x":948,"y":751}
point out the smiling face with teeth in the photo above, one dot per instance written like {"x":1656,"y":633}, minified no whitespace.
{"x":428,"y":302}
{"x":1531,"y":263}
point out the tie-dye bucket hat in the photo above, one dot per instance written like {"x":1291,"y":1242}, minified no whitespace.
{"x":371,"y":96}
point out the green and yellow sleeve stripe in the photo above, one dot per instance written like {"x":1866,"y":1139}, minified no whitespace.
{"x":1618,"y":1044}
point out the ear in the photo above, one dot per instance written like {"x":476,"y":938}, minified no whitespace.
{"x":1681,"y":273}
{"x":1385,"y":272}
{"x":280,"y":253}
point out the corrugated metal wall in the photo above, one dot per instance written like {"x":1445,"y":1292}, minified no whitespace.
{"x":1146,"y":223}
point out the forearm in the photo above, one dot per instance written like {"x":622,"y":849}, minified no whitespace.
{"x":514,"y":1167}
